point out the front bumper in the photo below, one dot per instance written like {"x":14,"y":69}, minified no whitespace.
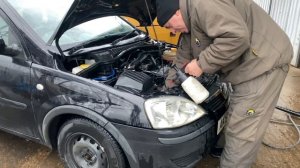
{"x":170,"y":148}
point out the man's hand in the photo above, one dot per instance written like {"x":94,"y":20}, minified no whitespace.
{"x":169,"y":83}
{"x":193,"y":68}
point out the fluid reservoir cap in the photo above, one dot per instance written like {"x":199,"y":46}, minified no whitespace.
{"x":84,"y":66}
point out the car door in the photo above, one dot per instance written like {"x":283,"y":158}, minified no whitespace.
{"x":16,"y":113}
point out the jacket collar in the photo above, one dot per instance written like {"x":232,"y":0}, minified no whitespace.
{"x":184,"y":6}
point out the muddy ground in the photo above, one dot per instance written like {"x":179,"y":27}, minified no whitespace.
{"x":19,"y":153}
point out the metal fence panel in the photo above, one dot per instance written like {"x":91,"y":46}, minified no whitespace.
{"x":265,"y":4}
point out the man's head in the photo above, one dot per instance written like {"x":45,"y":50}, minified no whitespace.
{"x":169,"y":15}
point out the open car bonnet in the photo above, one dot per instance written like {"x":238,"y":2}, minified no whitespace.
{"x":84,"y":10}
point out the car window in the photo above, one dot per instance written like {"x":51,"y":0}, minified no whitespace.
{"x":96,"y":29}
{"x":43,"y":16}
{"x":9,"y":43}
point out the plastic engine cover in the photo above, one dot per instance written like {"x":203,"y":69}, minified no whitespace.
{"x":134,"y":82}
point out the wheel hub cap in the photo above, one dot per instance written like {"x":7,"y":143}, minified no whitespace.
{"x":87,"y":153}
{"x":89,"y":156}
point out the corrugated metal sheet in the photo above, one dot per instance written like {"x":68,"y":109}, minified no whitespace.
{"x":293,"y":29}
{"x":280,"y":12}
{"x":265,"y":4}
{"x":287,"y":14}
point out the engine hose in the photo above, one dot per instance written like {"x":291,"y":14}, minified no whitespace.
{"x":289,"y":113}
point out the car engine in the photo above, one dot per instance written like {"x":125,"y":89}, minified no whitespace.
{"x":142,"y":70}
{"x":139,"y":69}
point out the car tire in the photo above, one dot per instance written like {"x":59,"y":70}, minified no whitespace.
{"x":85,"y":144}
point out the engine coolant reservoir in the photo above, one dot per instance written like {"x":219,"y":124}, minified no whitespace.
{"x":169,"y":55}
{"x":79,"y":68}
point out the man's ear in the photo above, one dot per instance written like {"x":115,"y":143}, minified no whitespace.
{"x":177,"y":13}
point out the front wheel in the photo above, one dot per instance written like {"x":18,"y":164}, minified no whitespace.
{"x":85,"y":144}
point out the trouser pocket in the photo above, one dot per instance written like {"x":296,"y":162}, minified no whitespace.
{"x":244,"y":120}
{"x":246,"y":109}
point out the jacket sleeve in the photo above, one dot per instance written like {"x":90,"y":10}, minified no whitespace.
{"x":222,"y":22}
{"x":183,"y":54}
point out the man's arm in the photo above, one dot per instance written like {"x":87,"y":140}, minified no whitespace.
{"x":221,"y":21}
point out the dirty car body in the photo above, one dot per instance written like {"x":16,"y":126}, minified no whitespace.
{"x":78,"y":77}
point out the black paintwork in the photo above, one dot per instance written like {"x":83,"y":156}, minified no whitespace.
{"x":37,"y":114}
{"x":149,"y":151}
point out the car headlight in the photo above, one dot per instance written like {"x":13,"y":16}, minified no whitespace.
{"x":172,"y":111}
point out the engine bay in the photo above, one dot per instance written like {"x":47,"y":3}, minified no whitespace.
{"x":141,"y":69}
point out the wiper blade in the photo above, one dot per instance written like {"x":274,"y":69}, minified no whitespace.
{"x":123,"y":37}
{"x":81,"y":45}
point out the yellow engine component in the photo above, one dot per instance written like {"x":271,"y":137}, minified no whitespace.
{"x":84,"y":66}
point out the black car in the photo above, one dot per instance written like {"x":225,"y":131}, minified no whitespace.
{"x":77,"y":77}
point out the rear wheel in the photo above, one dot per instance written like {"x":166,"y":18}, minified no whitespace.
{"x":85,"y":144}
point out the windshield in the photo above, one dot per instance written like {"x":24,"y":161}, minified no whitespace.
{"x":96,"y":29}
{"x":43,"y":16}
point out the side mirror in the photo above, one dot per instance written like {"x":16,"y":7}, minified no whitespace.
{"x":12,"y":50}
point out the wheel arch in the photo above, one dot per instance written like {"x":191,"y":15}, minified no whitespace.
{"x":57,"y":116}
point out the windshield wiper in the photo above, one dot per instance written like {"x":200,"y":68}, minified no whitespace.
{"x":123,"y":37}
{"x":97,"y":38}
